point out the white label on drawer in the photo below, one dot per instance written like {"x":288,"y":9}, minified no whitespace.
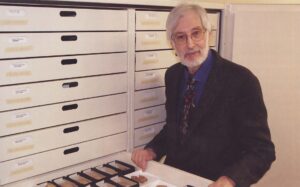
{"x":151,"y":56}
{"x":21,"y":91}
{"x":151,"y":16}
{"x":19,"y":66}
{"x":23,"y":163}
{"x":22,"y":167}
{"x":18,"y":40}
{"x":22,"y":141}
{"x":148,"y":112}
{"x":150,"y":75}
{"x":20,"y":116}
{"x":15,"y":13}
{"x":149,"y":131}
{"x":149,"y":95}
{"x":151,"y":36}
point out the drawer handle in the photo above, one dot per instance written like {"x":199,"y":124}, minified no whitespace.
{"x":70,"y":84}
{"x":71,"y":129}
{"x":67,"y":13}
{"x":72,"y":150}
{"x":69,"y":61}
{"x":69,"y":38}
{"x":70,"y":107}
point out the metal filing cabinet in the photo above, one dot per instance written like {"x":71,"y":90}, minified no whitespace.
{"x":60,"y":69}
{"x":153,"y":55}
{"x":64,"y":74}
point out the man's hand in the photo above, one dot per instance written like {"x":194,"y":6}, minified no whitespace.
{"x":223,"y":181}
{"x":141,"y":157}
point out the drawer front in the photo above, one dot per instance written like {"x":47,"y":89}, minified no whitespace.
{"x":214,"y":20}
{"x":14,"y":45}
{"x":213,"y":38}
{"x":15,"y":146}
{"x":149,"y":79}
{"x":20,"y":96}
{"x":25,"y":167}
{"x":15,"y":18}
{"x":31,"y":70}
{"x":155,"y":60}
{"x":149,"y":116}
{"x":147,"y":98}
{"x":38,"y":117}
{"x":152,"y":40}
{"x":151,"y":20}
{"x":144,"y":135}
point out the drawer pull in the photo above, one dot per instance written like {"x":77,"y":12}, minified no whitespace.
{"x":69,"y":61}
{"x":70,"y":107}
{"x":67,"y":13}
{"x":71,"y":129}
{"x":69,"y":38}
{"x":70,"y":84}
{"x":72,"y":150}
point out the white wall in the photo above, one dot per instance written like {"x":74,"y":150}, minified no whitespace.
{"x":253,"y":1}
{"x":266,"y":40}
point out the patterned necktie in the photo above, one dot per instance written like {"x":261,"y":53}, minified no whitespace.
{"x":188,"y":104}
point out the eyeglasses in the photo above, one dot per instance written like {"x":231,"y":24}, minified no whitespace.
{"x":181,"y":38}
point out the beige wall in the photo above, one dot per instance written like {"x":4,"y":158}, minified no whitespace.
{"x":255,"y":1}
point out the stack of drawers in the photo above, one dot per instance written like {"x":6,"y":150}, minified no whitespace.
{"x":60,"y":69}
{"x":214,"y":18}
{"x":153,"y":56}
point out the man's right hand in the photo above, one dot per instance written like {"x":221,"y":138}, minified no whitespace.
{"x":141,"y":157}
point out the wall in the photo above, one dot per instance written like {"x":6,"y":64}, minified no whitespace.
{"x":254,"y":1}
{"x":267,"y":44}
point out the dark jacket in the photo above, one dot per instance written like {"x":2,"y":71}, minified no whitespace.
{"x":228,"y":132}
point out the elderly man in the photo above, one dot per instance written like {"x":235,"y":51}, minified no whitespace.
{"x":216,"y":124}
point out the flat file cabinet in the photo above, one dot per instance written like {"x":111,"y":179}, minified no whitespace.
{"x":60,"y":69}
{"x":67,"y":73}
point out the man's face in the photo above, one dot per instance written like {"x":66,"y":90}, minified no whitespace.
{"x":190,"y":40}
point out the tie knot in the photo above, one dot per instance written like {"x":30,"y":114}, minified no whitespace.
{"x":191,"y":80}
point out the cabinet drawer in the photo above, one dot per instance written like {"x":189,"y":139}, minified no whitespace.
{"x":149,"y":79}
{"x":15,"y":18}
{"x":152,"y":40}
{"x":150,"y":97}
{"x":155,"y":60}
{"x":151,"y":20}
{"x":25,"y":167}
{"x":15,"y":146}
{"x":214,"y":20}
{"x":144,"y":135}
{"x":149,"y":116}
{"x":31,"y":70}
{"x":213,"y":38}
{"x":27,"y":95}
{"x":38,"y":117}
{"x":14,"y":45}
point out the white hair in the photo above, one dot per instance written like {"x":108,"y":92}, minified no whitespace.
{"x":179,"y":11}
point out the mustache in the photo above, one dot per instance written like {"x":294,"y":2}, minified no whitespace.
{"x":192,"y":51}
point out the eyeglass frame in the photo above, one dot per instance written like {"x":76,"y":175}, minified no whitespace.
{"x":184,"y":42}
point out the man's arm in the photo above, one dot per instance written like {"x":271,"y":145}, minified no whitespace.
{"x":253,"y":135}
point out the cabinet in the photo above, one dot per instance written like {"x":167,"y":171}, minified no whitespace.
{"x":66,"y":71}
{"x":57,"y":80}
{"x":153,"y":55}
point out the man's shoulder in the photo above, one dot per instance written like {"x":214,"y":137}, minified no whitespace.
{"x":228,"y":67}
{"x":175,"y":69}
